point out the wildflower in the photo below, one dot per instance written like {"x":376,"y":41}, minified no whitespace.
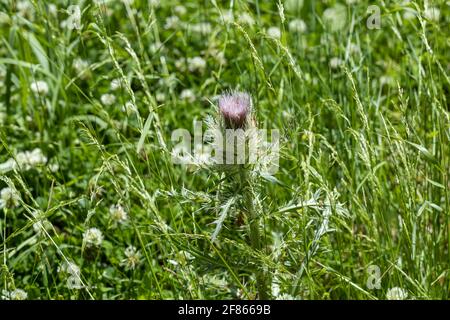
{"x":432,"y":14}
{"x":108,"y":99}
{"x":335,"y":18}
{"x":285,"y":296}
{"x":180,"y":10}
{"x":235,"y":108}
{"x":274,"y":32}
{"x":160,"y":97}
{"x":168,"y":81}
{"x":17,"y":294}
{"x":353,"y":48}
{"x":115,"y":84}
{"x":335,"y":63}
{"x":297,"y":25}
{"x":396,"y":293}
{"x":129,"y":107}
{"x":53,"y":166}
{"x":118,"y":213}
{"x":172,"y":22}
{"x":386,"y":80}
{"x":196,"y":64}
{"x":156,"y":47}
{"x":39,"y":87}
{"x":25,"y":9}
{"x":28,"y":159}
{"x":245,"y":18}
{"x":202,"y":28}
{"x":93,"y":237}
{"x":41,"y":225}
{"x":188,"y":95}
{"x":70,"y":268}
{"x":227,"y":17}
{"x":9,"y":198}
{"x":133,"y":258}
{"x":53,"y":9}
{"x":81,"y":67}
{"x":293,"y":6}
{"x":409,"y":14}
{"x":180,"y":65}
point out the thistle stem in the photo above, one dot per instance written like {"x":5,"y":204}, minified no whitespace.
{"x":255,"y":237}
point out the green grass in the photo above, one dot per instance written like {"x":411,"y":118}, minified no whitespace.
{"x":365,"y":150}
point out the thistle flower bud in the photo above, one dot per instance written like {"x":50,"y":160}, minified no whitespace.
{"x":235,"y":108}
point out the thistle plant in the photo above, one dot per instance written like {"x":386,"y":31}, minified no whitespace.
{"x":235,"y":122}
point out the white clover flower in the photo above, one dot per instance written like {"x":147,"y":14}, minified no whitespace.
{"x":9,"y":198}
{"x":18,"y":294}
{"x":41,"y":225}
{"x":180,"y":10}
{"x":285,"y":296}
{"x":180,"y":64}
{"x":53,"y":9}
{"x":172,"y":22}
{"x":35,"y":158}
{"x":81,"y":67}
{"x":353,"y":48}
{"x":227,"y":17}
{"x":351,"y":1}
{"x":93,"y":237}
{"x":30,"y":159}
{"x":118,"y":213}
{"x":432,"y":14}
{"x":160,"y":97}
{"x":169,"y":81}
{"x":218,"y":55}
{"x":293,"y":6}
{"x":297,"y":25}
{"x":70,"y":268}
{"x":274,"y":32}
{"x":129,"y":107}
{"x":202,"y":28}
{"x":196,"y":64}
{"x":156,"y":47}
{"x":116,"y":84}
{"x":335,"y":18}
{"x":154,"y":3}
{"x":108,"y":99}
{"x":245,"y":18}
{"x":188,"y":95}
{"x":25,"y":8}
{"x":386,"y":80}
{"x":39,"y":87}
{"x":133,"y":258}
{"x":396,"y":293}
{"x":409,"y":14}
{"x":215,"y":281}
{"x":335,"y":63}
{"x":53,"y":167}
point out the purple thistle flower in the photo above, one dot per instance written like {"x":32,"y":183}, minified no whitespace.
{"x":235,"y":108}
